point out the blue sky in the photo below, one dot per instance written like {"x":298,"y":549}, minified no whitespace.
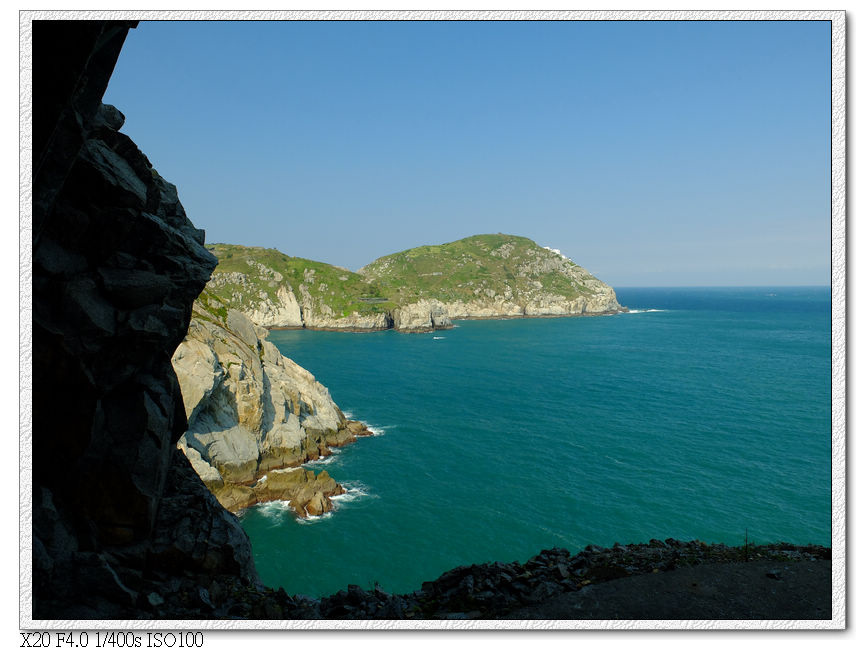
{"x":652,"y":153}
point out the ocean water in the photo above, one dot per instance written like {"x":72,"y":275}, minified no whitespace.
{"x":700,"y":414}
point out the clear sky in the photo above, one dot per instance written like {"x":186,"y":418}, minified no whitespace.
{"x":652,"y":153}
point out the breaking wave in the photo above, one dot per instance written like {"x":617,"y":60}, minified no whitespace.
{"x":326,"y":460}
{"x":379,"y":431}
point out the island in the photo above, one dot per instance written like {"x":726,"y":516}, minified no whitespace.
{"x":417,"y":290}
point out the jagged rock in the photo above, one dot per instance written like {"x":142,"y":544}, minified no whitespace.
{"x":315,"y":317}
{"x":489,"y":276}
{"x":357,"y":429}
{"x":285,"y":312}
{"x":485,"y":276}
{"x":234,"y":497}
{"x":180,"y":542}
{"x":116,"y":266}
{"x":306,"y":491}
{"x":421,"y":316}
{"x":253,"y":412}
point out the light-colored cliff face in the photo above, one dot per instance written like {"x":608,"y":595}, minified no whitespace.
{"x":321,"y":318}
{"x":284,"y":312}
{"x":422,"y":316}
{"x":251,"y":412}
{"x":280,"y":307}
{"x":489,"y":276}
{"x":276,"y":290}
{"x":419,"y":290}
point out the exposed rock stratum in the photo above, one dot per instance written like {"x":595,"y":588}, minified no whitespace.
{"x":255,"y":415}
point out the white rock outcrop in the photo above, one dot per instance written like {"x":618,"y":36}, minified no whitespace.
{"x":527,"y":281}
{"x":250,"y":409}
{"x":320,"y":319}
{"x":285,"y":312}
{"x":422,"y":316}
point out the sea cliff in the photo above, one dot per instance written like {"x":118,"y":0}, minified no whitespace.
{"x":419,"y":290}
{"x":492,"y":276}
{"x":278,"y":291}
{"x":254,"y":415}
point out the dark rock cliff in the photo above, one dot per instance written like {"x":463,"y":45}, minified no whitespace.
{"x":119,"y":516}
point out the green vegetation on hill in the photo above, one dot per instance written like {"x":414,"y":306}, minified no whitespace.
{"x":477,"y":268}
{"x":210,"y":307}
{"x":484,"y":275}
{"x":257,"y":273}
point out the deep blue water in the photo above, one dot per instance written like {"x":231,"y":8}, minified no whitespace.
{"x":501,"y":438}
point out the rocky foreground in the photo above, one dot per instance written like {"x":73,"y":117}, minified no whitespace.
{"x":776,"y":581}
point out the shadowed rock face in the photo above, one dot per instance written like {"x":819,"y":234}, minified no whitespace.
{"x":116,"y":267}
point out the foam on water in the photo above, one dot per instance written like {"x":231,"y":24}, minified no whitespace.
{"x":379,"y":431}
{"x":274,"y":507}
{"x":327,"y":460}
{"x":354,"y":490}
{"x":313,"y":519}
{"x":274,"y":512}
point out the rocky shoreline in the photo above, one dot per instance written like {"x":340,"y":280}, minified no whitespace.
{"x":623,"y":310}
{"x":306,"y":492}
{"x":498,"y":590}
{"x":255,"y":416}
{"x":405,"y":320}
{"x":278,"y":291}
{"x":350,"y":330}
{"x":427,"y":330}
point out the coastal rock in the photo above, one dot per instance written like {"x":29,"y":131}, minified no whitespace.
{"x":181,"y":543}
{"x":491,"y":276}
{"x":285,"y":312}
{"x":306,"y":491}
{"x":421,"y":316}
{"x":497,"y":307}
{"x":419,"y":290}
{"x":116,"y":267}
{"x":252,"y":413}
{"x":278,"y":291}
{"x":319,"y":318}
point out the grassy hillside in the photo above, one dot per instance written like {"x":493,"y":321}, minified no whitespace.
{"x":477,"y":268}
{"x":258,"y":273}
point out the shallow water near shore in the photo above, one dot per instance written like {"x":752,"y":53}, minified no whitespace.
{"x":700,"y":414}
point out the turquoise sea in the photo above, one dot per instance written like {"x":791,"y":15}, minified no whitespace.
{"x":700,"y":414}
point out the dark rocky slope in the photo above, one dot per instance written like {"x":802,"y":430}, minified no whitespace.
{"x":122,"y":527}
{"x":118,"y":512}
{"x":659,"y":580}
